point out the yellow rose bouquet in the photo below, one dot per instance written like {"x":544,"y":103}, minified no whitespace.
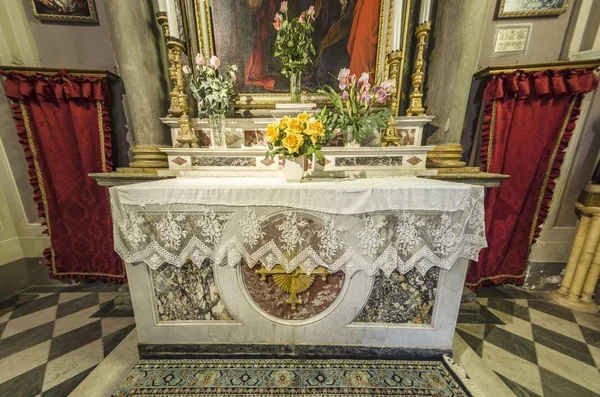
{"x":295,"y":136}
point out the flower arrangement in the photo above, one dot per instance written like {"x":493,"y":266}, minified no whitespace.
{"x":214,"y":91}
{"x":293,"y":45}
{"x":295,"y":137}
{"x":353,"y":112}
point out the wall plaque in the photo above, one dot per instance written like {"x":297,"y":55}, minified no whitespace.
{"x":511,"y":39}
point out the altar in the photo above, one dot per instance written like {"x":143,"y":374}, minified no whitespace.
{"x":346,"y":267}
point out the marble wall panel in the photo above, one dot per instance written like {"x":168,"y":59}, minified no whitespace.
{"x":369,"y":161}
{"x":400,"y":299}
{"x":187,"y":293}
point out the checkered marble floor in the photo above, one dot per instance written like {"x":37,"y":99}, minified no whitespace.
{"x":52,"y":337}
{"x":536,"y":347}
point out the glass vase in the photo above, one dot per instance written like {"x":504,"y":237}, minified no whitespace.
{"x":350,"y":138}
{"x":217,"y":131}
{"x":295,"y":78}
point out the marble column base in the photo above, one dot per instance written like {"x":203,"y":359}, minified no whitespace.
{"x":147,"y":157}
{"x":586,"y":307}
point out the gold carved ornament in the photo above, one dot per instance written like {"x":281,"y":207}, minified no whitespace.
{"x":292,"y":283}
{"x":179,"y":99}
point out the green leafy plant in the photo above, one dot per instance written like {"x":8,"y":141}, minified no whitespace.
{"x":352,"y":110}
{"x":293,"y":45}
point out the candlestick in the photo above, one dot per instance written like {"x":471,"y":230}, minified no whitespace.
{"x":172,"y":17}
{"x":418,"y":77}
{"x":425,"y":12}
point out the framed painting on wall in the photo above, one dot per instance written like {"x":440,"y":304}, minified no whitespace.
{"x":351,"y":34}
{"x":531,"y":8}
{"x":75,"y":11}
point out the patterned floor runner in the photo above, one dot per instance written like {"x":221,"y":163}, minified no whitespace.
{"x":293,"y":377}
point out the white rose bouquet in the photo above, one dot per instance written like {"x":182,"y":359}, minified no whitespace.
{"x":214,"y":91}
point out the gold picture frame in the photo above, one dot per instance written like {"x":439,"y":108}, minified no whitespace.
{"x":509,"y":9}
{"x":84,"y":14}
{"x":385,"y":57}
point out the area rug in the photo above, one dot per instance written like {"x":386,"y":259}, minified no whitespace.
{"x":296,"y":377}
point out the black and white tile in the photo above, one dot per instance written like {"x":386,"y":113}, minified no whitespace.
{"x":536,"y":347}
{"x":53,"y":337}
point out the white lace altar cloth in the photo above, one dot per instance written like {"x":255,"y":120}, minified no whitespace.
{"x":349,"y":225}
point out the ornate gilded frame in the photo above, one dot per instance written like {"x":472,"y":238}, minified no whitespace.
{"x":388,"y":16}
{"x":530,"y":13}
{"x":92,"y":19}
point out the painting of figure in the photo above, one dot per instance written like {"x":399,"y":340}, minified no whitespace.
{"x":531,"y":8}
{"x":80,"y":11}
{"x":346,"y":35}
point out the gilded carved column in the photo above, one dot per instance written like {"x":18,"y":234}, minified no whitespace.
{"x":137,"y":41}
{"x":583,"y":268}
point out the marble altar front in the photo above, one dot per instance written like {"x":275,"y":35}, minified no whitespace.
{"x":260,"y":266}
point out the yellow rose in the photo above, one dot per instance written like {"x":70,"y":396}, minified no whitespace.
{"x":283,"y":123}
{"x":272,"y":133}
{"x":317,"y":126}
{"x":294,"y":124}
{"x":292,"y":142}
{"x":303,"y":117}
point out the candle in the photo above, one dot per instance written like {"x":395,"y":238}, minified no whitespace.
{"x":162,"y":5}
{"x":398,"y":20}
{"x":172,"y":18}
{"x":425,"y":12}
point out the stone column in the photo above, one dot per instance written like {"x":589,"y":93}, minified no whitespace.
{"x":458,"y":29}
{"x":139,"y":48}
{"x":583,"y":268}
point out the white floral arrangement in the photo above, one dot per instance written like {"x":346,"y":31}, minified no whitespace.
{"x":213,"y":90}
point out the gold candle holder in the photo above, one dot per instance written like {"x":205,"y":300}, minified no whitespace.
{"x":394,"y":64}
{"x":186,"y":137}
{"x":174,"y":49}
{"x":416,"y":96}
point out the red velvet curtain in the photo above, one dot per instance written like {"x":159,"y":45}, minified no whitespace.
{"x":528,"y":122}
{"x":64,"y":129}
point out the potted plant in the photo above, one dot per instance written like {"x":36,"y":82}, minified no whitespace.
{"x":353,"y":111}
{"x":293,"y":45}
{"x":214,"y":93}
{"x":295,"y":138}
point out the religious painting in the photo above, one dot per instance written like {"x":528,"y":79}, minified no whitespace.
{"x":77,"y":11}
{"x":531,"y":8}
{"x":347,"y":35}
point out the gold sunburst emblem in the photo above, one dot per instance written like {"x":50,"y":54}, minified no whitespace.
{"x":292,"y":283}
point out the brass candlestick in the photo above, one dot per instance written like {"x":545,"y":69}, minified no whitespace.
{"x":173,"y":52}
{"x":186,"y":137}
{"x":394,"y":63}
{"x":416,"y":96}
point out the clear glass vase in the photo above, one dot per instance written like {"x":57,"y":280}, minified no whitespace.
{"x":350,"y":138}
{"x":217,"y":131}
{"x":295,"y":78}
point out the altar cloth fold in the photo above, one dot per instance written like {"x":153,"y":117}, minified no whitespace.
{"x":368,"y":225}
